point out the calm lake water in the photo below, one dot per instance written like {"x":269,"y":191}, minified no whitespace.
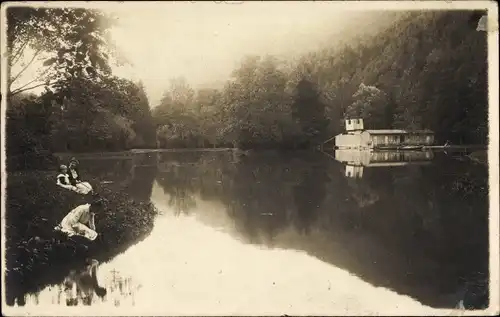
{"x":302,"y":233}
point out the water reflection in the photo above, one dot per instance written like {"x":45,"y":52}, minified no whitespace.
{"x":420,"y":231}
{"x":401,"y":226}
{"x":82,"y":285}
{"x":382,"y":158}
{"x":309,"y":195}
{"x":121,"y":289}
{"x":357,"y":160}
{"x":187,"y":267}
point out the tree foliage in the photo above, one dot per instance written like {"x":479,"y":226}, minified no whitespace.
{"x":309,"y":111}
{"x":73,"y":41}
{"x":369,"y":102}
{"x":87,"y":116}
{"x":36,"y":256}
{"x":425,"y":70}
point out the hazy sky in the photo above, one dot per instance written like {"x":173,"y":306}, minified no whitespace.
{"x":204,"y":41}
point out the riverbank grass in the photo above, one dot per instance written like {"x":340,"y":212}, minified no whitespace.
{"x":36,"y":255}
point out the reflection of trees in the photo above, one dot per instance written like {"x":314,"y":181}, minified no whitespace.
{"x":208,"y":174}
{"x":186,"y":157}
{"x":363,"y":194}
{"x":79,"y":287}
{"x":309,"y":194}
{"x":178,"y":183}
{"x":396,"y":228}
{"x":259,"y":197}
{"x":420,"y":215}
{"x":82,"y":284}
{"x":116,"y":169}
{"x":141,"y":185}
{"x":120,"y":289}
{"x":181,"y":200}
{"x":463,"y":214}
{"x":257,"y":194}
{"x":37,"y":258}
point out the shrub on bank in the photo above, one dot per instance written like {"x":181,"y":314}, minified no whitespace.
{"x":37,"y":256}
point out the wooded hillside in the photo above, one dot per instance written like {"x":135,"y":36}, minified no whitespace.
{"x":428,"y":69}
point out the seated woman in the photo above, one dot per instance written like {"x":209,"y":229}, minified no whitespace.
{"x":83,"y":284}
{"x":80,"y":221}
{"x":74,"y":178}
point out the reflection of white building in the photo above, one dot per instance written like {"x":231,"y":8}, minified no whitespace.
{"x":383,"y":158}
{"x":354,"y":171}
{"x":356,"y":160}
{"x":356,"y":137}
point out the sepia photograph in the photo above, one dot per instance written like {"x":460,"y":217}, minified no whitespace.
{"x":224,"y":158}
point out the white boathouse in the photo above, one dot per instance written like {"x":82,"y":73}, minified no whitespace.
{"x":356,"y":137}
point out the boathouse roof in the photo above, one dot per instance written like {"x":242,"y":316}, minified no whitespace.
{"x":390,"y":131}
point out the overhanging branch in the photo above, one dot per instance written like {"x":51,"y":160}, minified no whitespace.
{"x":19,"y":90}
{"x":18,"y":54}
{"x":34,"y":80}
{"x":25,"y":67}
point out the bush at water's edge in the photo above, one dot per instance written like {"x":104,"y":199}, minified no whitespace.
{"x":35,"y":256}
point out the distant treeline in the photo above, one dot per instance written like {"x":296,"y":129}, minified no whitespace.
{"x":427,"y":70}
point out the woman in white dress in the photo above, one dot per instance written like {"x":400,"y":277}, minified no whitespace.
{"x":80,"y":221}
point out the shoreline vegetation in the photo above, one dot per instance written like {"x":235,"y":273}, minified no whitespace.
{"x":476,"y":152}
{"x":36,"y":255}
{"x":412,"y":75}
{"x":129,"y":216}
{"x":409,"y":75}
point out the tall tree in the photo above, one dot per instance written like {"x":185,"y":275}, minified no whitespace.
{"x":309,"y":110}
{"x":370,"y":104}
{"x":73,"y":42}
{"x":177,"y":126}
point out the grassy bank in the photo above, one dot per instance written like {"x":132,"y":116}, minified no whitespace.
{"x":36,"y":256}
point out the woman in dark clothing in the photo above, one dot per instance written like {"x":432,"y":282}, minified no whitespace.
{"x":74,"y":173}
{"x":74,"y":178}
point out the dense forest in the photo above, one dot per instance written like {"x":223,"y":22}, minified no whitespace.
{"x":426,"y":70}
